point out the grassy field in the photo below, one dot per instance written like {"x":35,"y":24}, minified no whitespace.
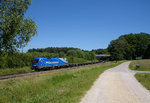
{"x":141,"y":65}
{"x":63,"y":86}
{"x":144,"y":79}
{"x":7,"y":71}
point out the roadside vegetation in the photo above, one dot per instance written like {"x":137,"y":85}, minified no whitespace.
{"x":144,"y":79}
{"x":141,"y":65}
{"x":8,"y":71}
{"x":63,"y":86}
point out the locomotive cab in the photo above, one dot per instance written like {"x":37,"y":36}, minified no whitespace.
{"x":35,"y":63}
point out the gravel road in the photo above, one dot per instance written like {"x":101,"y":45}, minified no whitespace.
{"x":117,"y":85}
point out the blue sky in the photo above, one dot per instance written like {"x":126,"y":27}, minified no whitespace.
{"x":86,"y":24}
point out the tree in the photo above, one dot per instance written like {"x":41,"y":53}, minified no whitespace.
{"x":80,"y":53}
{"x":147,"y":53}
{"x":117,"y":49}
{"x":72,"y":53}
{"x":15,"y":30}
{"x":101,"y":51}
{"x":92,"y":55}
{"x":130,"y":46}
{"x":143,"y":41}
{"x":62,"y":54}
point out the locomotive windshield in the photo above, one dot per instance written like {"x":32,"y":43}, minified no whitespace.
{"x":35,"y":61}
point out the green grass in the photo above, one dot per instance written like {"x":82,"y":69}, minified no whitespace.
{"x":7,"y":71}
{"x":144,"y":79}
{"x":63,"y":86}
{"x":141,"y":65}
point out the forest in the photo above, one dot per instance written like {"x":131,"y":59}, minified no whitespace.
{"x":130,"y":46}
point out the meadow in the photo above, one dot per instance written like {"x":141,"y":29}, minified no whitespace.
{"x":144,"y":79}
{"x":63,"y":86}
{"x":141,"y":65}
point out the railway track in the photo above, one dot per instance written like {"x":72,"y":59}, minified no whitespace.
{"x":69,"y":67}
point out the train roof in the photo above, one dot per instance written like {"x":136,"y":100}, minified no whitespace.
{"x":46,"y":58}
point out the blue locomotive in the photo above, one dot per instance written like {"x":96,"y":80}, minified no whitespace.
{"x":46,"y":63}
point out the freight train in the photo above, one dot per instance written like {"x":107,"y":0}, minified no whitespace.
{"x":53,"y":63}
{"x":47,"y":63}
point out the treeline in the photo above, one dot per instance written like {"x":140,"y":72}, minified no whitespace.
{"x":66,"y":49}
{"x":17,"y":60}
{"x":100,"y":51}
{"x":130,"y":46}
{"x":53,"y":49}
{"x":68,"y":52}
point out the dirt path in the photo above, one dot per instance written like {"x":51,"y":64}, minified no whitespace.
{"x":117,"y":85}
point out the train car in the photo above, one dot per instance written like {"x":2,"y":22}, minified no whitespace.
{"x":46,"y":63}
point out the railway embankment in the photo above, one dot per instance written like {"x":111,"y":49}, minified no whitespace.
{"x":26,"y":71}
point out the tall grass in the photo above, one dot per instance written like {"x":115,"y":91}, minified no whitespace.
{"x":141,"y":65}
{"x":64,"y":86}
{"x":144,"y":79}
{"x":8,"y":71}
